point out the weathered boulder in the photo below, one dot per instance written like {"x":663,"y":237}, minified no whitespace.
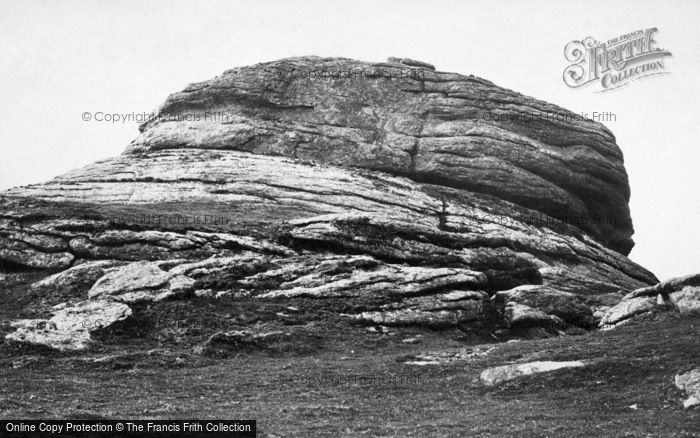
{"x":70,"y":326}
{"x":140,"y":281}
{"x":518,"y":316}
{"x":627,"y":309}
{"x":72,"y":279}
{"x":565,"y":305}
{"x":495,"y":375}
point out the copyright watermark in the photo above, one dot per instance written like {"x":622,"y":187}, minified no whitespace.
{"x":144,"y":117}
{"x":171,"y":219}
{"x":538,"y":116}
{"x":350,"y":379}
{"x":543,"y":220}
{"x":93,"y":324}
{"x":614,"y":63}
{"x":353,"y":73}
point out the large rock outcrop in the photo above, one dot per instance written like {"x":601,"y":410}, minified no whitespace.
{"x":389,"y":184}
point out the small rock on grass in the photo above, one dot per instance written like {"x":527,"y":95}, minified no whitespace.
{"x":690,"y":383}
{"x":495,"y":375}
{"x":221,"y":342}
{"x":70,"y":326}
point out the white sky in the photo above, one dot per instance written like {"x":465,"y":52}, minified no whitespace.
{"x":61,"y":58}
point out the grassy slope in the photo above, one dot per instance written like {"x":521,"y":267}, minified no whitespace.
{"x":635,"y":364}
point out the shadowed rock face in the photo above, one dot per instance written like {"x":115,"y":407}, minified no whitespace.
{"x":377,"y":187}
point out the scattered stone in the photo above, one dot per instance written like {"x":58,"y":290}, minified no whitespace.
{"x":205,"y":293}
{"x":422,"y":363}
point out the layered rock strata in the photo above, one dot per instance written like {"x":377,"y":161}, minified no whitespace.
{"x":415,"y":196}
